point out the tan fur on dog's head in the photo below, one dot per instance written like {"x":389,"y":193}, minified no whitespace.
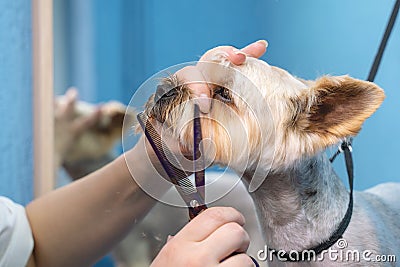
{"x":263,"y":114}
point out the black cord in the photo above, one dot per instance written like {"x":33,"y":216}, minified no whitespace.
{"x":334,"y":156}
{"x":385,"y":38}
{"x":298,"y":256}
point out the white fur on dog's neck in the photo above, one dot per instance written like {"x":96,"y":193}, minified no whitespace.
{"x":302,"y":206}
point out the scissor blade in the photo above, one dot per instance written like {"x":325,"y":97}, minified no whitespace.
{"x":198,"y":151}
{"x":175,"y":172}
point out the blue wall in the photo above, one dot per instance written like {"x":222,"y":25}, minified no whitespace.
{"x":16,"y":169}
{"x":116,"y":45}
{"x":342,"y":37}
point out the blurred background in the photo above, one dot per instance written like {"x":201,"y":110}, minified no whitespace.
{"x":107,"y":49}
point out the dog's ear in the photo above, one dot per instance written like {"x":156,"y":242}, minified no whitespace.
{"x":336,"y":107}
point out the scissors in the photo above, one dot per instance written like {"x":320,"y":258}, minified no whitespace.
{"x":192,"y":195}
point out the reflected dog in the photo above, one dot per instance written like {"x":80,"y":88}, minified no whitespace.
{"x":86,"y":134}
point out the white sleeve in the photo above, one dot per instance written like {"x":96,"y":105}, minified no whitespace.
{"x":16,"y":241}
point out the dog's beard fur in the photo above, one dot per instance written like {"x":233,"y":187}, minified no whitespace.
{"x":273,"y":118}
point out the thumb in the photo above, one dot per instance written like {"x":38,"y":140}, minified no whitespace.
{"x":256,"y":49}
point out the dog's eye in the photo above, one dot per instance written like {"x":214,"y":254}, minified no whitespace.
{"x":222,"y":94}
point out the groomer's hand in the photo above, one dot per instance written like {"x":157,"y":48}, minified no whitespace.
{"x":238,"y":57}
{"x":208,"y":241}
{"x":200,"y":87}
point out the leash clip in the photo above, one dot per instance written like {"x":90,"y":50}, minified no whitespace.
{"x":344,"y":144}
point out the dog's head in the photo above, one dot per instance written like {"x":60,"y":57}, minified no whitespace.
{"x":262,"y":114}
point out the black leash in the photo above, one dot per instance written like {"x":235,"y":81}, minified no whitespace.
{"x":296,"y":256}
{"x":385,"y":38}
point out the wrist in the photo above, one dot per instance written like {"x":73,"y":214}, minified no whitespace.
{"x":146,"y":170}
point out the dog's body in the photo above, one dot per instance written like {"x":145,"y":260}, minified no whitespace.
{"x":286,"y":124}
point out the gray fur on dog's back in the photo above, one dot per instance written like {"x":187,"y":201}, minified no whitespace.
{"x":382,"y":203}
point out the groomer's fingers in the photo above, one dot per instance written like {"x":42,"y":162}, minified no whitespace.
{"x":234,"y":238}
{"x":208,"y":221}
{"x":256,"y":49}
{"x":235,"y":56}
{"x":194,"y":79}
{"x":200,"y":86}
{"x":238,"y":57}
{"x":239,"y":260}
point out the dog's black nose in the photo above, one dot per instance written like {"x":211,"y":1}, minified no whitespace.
{"x":165,"y":91}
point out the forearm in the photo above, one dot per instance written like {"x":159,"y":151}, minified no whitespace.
{"x":75,"y":225}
